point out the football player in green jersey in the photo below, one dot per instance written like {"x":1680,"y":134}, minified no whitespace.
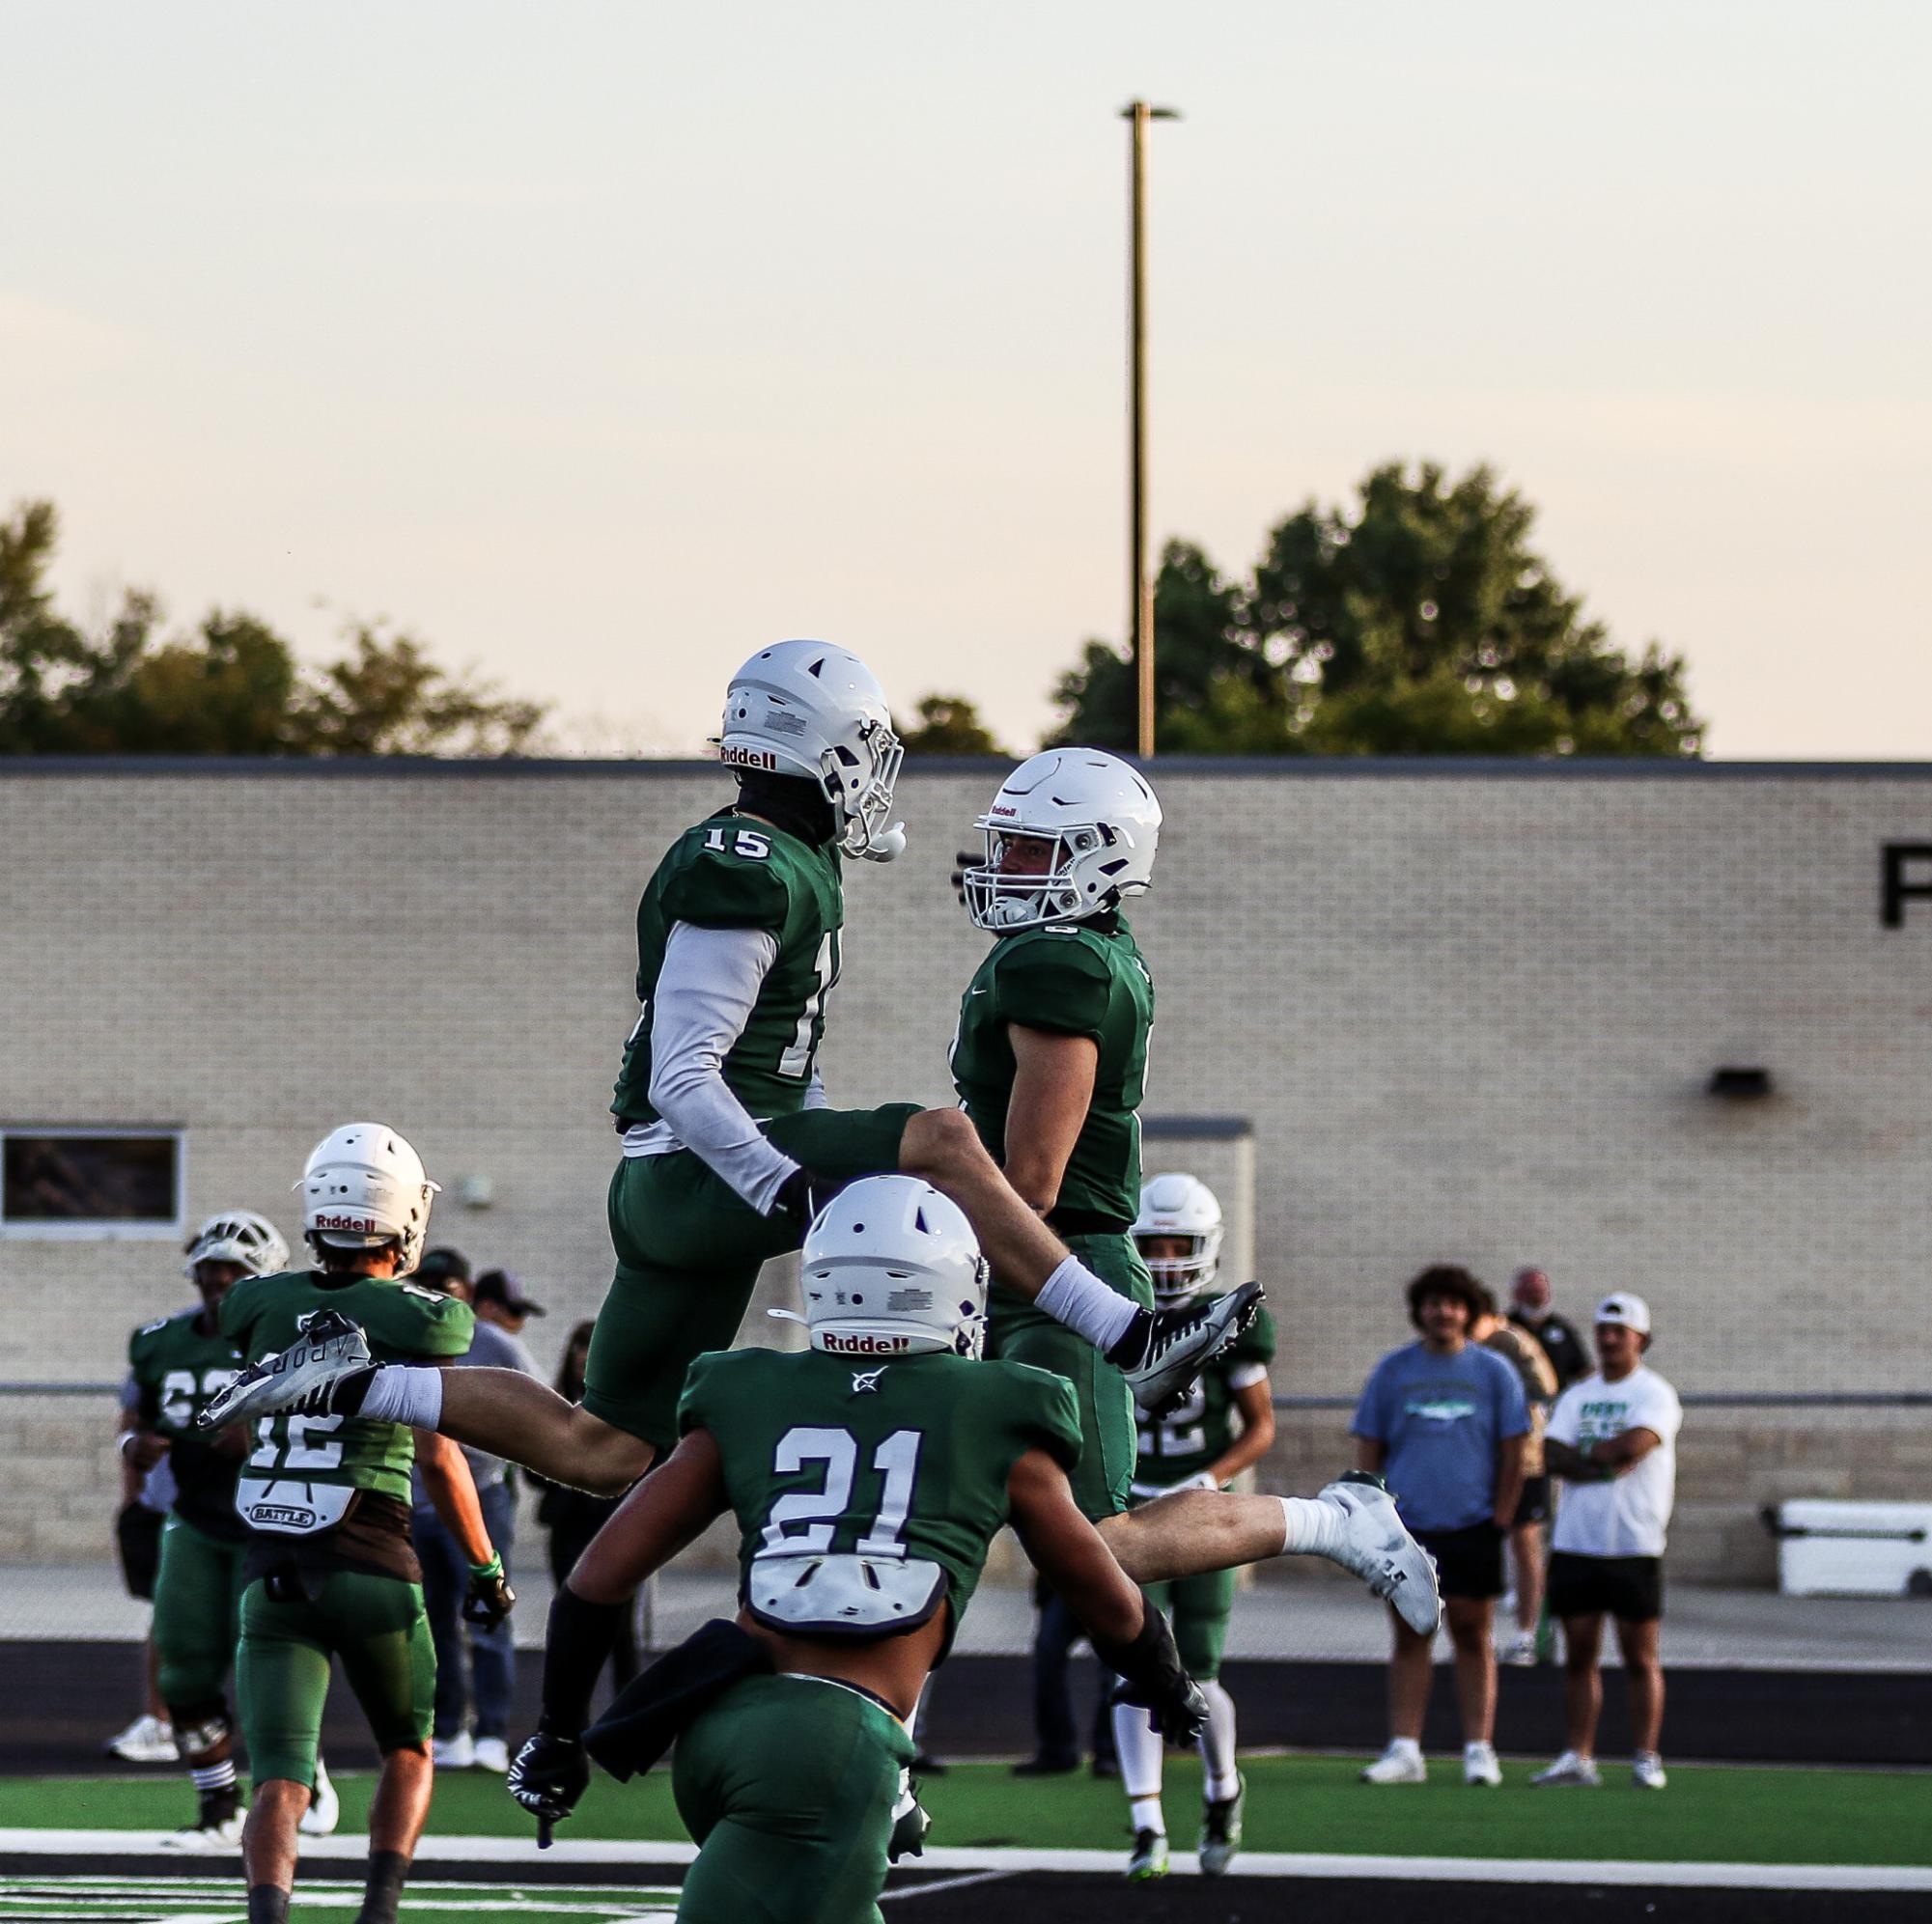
{"x":867,"y":1476}
{"x":1050,"y":1060}
{"x":178,"y":1364}
{"x":331,"y":1568}
{"x":728,"y":1141}
{"x":1223,"y":1427}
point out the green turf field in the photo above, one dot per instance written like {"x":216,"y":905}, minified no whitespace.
{"x":1708,"y":1814}
{"x":203,"y":1900}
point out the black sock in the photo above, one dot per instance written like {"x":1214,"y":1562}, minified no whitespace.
{"x":382,"y":1893}
{"x":267,"y":1904}
{"x":346,"y":1394}
{"x":1133,"y":1346}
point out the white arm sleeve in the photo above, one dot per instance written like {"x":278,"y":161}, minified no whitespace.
{"x":705,"y":989}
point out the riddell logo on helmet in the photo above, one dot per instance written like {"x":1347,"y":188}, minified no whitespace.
{"x":359,"y":1225}
{"x":865,"y":1346}
{"x":734,"y":757}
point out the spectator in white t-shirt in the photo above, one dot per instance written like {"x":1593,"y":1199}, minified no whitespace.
{"x":1613,"y":1439}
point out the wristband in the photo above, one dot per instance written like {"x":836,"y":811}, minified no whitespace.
{"x":483,"y":1572}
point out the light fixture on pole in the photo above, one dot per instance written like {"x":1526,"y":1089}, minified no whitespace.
{"x":1140,"y":586}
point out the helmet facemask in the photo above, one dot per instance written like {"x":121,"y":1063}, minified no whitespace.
{"x":1177,"y":1279}
{"x":858,"y":778}
{"x":1078,"y":879}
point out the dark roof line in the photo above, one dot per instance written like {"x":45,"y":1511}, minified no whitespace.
{"x":1286,"y":767}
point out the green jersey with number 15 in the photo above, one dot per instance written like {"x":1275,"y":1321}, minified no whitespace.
{"x":733,"y":872}
{"x":846,"y":1454}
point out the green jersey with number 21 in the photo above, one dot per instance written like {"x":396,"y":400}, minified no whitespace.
{"x":732,"y":872}
{"x":850,"y":1455}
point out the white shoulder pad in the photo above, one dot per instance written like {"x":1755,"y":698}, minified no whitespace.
{"x":844,"y":1596}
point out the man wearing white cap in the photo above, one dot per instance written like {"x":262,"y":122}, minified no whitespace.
{"x":1613,"y":1439}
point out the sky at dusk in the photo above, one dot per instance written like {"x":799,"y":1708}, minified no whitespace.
{"x":599,"y":345}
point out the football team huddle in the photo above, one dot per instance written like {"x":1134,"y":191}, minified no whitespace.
{"x":1004,"y":1326}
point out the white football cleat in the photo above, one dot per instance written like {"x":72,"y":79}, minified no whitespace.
{"x":1479,"y":1764}
{"x":1569,"y":1772}
{"x":491,"y":1753}
{"x":1375,"y":1544}
{"x":453,"y":1753}
{"x":1173,"y":1345}
{"x":147,"y":1740}
{"x":329,"y":1348}
{"x":324,"y":1811}
{"x":208,"y":1837}
{"x":1400,"y":1763}
{"x":1646,"y":1771}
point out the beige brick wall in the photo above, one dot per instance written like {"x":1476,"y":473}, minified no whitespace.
{"x":1470,"y":1015}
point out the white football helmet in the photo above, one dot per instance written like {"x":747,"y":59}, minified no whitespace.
{"x":805,"y":707}
{"x":364,"y":1186}
{"x":1101,"y":821}
{"x":237,"y":1236}
{"x":1180,"y":1206}
{"x":891,"y":1267}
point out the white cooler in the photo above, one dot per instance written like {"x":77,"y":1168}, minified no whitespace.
{"x":1828,"y":1548}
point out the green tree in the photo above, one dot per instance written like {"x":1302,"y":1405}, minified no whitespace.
{"x":949,"y":725}
{"x":233,"y":687}
{"x":1417,"y":621}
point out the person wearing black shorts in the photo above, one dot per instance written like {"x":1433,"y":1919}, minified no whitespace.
{"x":1613,"y":1439}
{"x":1446,"y":1420}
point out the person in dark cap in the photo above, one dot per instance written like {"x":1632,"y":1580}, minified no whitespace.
{"x":498,"y":1298}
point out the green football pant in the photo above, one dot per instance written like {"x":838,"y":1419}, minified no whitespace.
{"x":1021,"y":1333}
{"x":197,"y":1617}
{"x":688,"y":1252}
{"x":786,"y":1784}
{"x":375,"y":1625}
{"x":1198,"y":1607}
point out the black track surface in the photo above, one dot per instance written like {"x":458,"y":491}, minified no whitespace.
{"x":1053,"y":1898}
{"x":60,"y":1701}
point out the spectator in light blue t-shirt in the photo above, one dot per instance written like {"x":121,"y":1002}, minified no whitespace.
{"x":1445,"y":1419}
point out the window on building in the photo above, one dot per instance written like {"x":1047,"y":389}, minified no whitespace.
{"x":91,"y":1182}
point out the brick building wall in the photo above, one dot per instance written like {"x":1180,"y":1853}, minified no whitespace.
{"x":1468,"y":1013}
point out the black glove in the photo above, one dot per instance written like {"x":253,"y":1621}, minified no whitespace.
{"x":1152,"y":1676}
{"x":908,"y":1831}
{"x":490,"y":1598}
{"x":552,"y":1771}
{"x":802,"y":1194}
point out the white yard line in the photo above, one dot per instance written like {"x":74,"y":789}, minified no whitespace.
{"x":109,"y":1843}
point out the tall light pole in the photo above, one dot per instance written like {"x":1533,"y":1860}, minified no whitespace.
{"x":1140,"y":585}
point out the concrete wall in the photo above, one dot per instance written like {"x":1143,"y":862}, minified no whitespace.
{"x":1469,"y":1012}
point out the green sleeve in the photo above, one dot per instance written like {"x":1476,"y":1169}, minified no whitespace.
{"x":433,"y":1325}
{"x":727,"y":890}
{"x":697,"y":1404}
{"x":1052,"y":982}
{"x":1256,"y":1343}
{"x":240,"y":1308}
{"x":1043,"y":1413}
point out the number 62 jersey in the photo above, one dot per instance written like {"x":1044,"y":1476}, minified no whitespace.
{"x":901,"y":1457}
{"x":177,"y":1371}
